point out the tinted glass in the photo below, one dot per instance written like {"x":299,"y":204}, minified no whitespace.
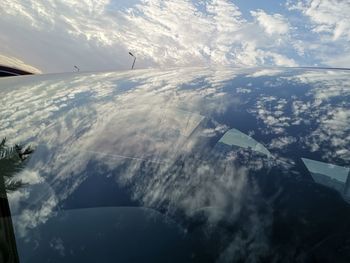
{"x":188,"y":165}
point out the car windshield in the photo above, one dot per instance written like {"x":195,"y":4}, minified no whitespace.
{"x":191,"y":165}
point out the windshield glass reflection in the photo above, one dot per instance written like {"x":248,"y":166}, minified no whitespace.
{"x":216,"y":152}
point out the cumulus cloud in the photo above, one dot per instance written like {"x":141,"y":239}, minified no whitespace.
{"x":272,"y":24}
{"x":327,"y":16}
{"x":329,"y":23}
{"x":95,"y":35}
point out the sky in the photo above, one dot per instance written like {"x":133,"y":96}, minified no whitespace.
{"x":96,"y":35}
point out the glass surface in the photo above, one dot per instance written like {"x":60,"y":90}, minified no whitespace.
{"x":330,"y":175}
{"x":183,"y":165}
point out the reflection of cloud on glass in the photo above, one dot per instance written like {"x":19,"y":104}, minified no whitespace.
{"x":265,"y":73}
{"x":332,"y":132}
{"x":328,"y":107}
{"x":243,"y":90}
{"x":31,"y":218}
{"x":150,"y":126}
{"x":281,"y":142}
{"x":154,"y":133}
{"x":272,"y":112}
{"x":49,"y":95}
{"x":326,"y":83}
{"x":57,"y":245}
{"x":150,"y":119}
{"x":318,"y":99}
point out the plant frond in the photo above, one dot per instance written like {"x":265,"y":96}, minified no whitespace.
{"x":12,"y":160}
{"x":3,"y":142}
{"x":8,"y":152}
{"x":12,"y":185}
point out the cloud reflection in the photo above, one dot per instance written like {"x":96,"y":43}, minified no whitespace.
{"x":154,"y":133}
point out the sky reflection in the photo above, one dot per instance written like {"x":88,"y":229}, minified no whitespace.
{"x":152,"y":136}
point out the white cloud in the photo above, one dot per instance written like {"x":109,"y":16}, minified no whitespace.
{"x":272,"y":24}
{"x":29,"y":177}
{"x":327,"y":16}
{"x":329,"y":23}
{"x":97,"y":35}
{"x":281,"y":60}
{"x":55,"y":35}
